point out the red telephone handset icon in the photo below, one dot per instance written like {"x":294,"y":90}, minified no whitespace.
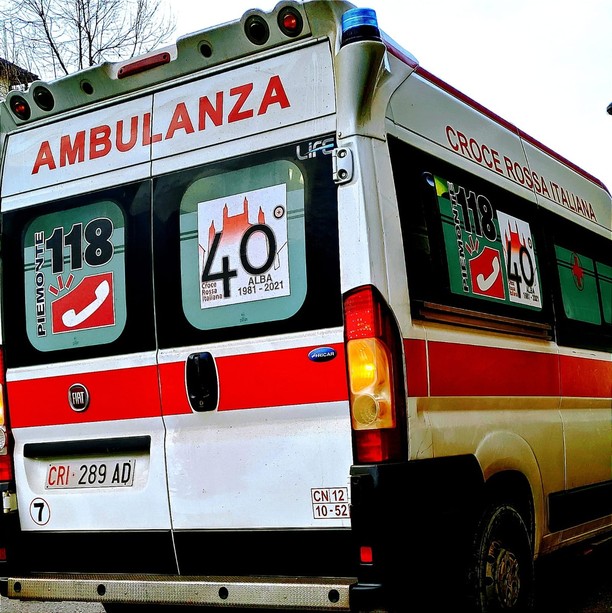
{"x":486,"y":274}
{"x":71,"y":318}
{"x":486,"y":283}
{"x":88,"y":305}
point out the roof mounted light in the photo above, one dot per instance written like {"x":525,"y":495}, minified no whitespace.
{"x":43,"y":98}
{"x":151,"y":61}
{"x":290,"y":22}
{"x":20,"y":107}
{"x":257,"y":30}
{"x":359,"y":24}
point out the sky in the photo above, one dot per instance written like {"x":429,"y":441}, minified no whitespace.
{"x":543,"y":65}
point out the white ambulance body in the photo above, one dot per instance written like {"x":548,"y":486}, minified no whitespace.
{"x":277,"y":305}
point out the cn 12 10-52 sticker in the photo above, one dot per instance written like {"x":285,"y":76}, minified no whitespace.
{"x":490,"y":254}
{"x":75,"y":277}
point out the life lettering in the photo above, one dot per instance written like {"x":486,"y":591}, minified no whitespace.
{"x":224,"y":107}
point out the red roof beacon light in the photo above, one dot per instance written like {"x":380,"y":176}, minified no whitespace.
{"x":20,"y":107}
{"x":290,"y":22}
{"x":151,"y":61}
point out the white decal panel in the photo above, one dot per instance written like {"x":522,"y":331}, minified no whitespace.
{"x":244,"y":238}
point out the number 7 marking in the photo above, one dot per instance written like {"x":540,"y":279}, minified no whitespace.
{"x":40,"y":511}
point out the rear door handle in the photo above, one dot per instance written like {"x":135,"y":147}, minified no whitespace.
{"x":202,"y":381}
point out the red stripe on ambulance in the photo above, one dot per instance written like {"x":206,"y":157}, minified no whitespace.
{"x":288,"y":377}
{"x":128,"y":393}
{"x":258,"y":380}
{"x":585,"y":378}
{"x":467,"y":370}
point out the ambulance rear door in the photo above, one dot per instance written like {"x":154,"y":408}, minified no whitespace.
{"x":80,"y":345}
{"x":248,"y":309}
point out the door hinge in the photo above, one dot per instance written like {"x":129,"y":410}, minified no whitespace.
{"x":342,"y":160}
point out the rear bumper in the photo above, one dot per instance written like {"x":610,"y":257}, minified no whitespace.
{"x":314,"y":594}
{"x":405,"y":513}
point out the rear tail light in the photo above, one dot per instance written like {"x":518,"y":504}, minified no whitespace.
{"x":6,"y":466}
{"x":138,"y":66}
{"x":290,"y":22}
{"x":20,"y":107}
{"x":257,"y":30}
{"x":375,"y":374}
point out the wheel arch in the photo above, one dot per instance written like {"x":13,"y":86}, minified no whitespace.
{"x":511,"y":473}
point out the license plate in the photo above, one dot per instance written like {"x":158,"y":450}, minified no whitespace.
{"x":81,"y":474}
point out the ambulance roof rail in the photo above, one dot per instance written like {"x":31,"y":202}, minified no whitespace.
{"x":256,"y":31}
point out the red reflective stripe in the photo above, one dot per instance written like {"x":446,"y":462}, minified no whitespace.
{"x":288,"y":377}
{"x":416,"y":367}
{"x":115,"y":394}
{"x":267,"y":379}
{"x":174,"y":394}
{"x":467,"y":370}
{"x":280,"y":378}
{"x":585,"y":378}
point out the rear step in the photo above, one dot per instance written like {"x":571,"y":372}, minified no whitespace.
{"x":320,"y":594}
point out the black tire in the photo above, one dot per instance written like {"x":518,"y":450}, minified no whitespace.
{"x":501,"y":573}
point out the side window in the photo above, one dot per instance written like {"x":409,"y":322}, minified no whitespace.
{"x":604,"y":278}
{"x":579,"y":290}
{"x":473,"y":250}
{"x":490,"y":254}
{"x":582,"y":274}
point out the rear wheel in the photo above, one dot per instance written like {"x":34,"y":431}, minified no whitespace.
{"x":501,"y":574}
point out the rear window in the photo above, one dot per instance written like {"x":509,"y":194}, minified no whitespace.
{"x":247,"y":247}
{"x":78,"y":270}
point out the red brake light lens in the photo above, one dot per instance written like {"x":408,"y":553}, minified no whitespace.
{"x":375,"y":376}
{"x":144,"y":64}
{"x":20,"y":107}
{"x":366,"y":555}
{"x":362,"y":317}
{"x":290,"y":22}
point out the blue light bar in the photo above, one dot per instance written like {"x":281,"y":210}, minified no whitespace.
{"x":359,"y":24}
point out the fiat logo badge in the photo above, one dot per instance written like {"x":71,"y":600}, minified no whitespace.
{"x":78,"y":397}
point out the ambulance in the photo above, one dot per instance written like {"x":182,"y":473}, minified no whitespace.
{"x":289,"y":323}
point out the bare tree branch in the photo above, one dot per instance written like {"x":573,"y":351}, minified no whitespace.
{"x":56,"y":37}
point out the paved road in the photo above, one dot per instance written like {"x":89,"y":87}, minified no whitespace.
{"x":574,"y":583}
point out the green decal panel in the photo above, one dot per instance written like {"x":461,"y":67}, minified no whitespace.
{"x":75,"y":277}
{"x":490,"y":255}
{"x":578,"y":286}
{"x":604,"y":273}
{"x":243,"y":256}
